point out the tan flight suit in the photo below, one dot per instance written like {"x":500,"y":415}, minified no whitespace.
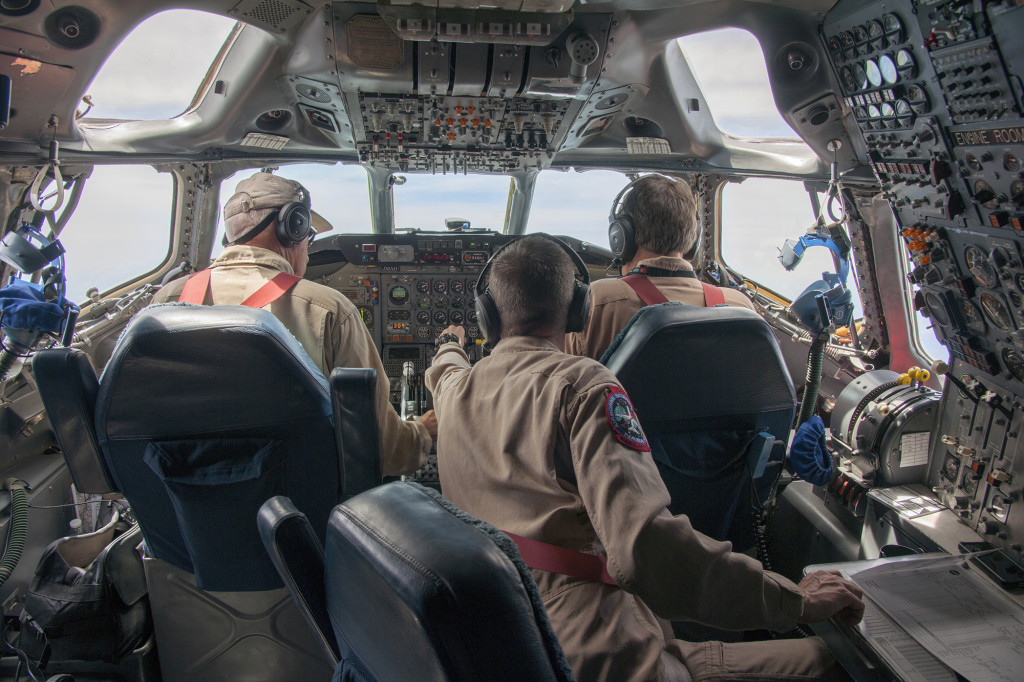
{"x":328,"y":326}
{"x":613,"y":302}
{"x":525,"y":442}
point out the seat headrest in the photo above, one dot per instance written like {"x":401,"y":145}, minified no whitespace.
{"x":675,"y":359}
{"x":446,"y":596}
{"x":180,"y":367}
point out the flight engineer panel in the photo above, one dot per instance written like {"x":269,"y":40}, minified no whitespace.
{"x":935,"y":90}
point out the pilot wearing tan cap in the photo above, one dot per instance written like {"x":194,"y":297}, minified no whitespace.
{"x":268,"y":229}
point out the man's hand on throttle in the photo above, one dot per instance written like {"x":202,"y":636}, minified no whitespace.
{"x":827,"y":594}
{"x":429,"y":419}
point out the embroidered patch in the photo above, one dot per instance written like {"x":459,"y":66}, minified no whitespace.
{"x":622,"y":418}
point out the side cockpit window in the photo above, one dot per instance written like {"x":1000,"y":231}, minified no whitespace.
{"x":120,"y":230}
{"x":758,"y":215}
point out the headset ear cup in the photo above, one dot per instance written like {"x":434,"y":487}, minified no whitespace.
{"x":293,"y":224}
{"x":622,"y":238}
{"x":579,"y":309}
{"x":487,"y":317}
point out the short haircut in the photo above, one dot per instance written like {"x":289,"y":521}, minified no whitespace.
{"x":531,"y":282}
{"x":664,"y":214}
{"x":238,"y":225}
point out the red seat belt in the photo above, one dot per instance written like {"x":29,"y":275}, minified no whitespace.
{"x":555,"y":559}
{"x":651,"y":295}
{"x":199,"y":283}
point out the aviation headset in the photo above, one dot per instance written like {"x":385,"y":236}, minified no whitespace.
{"x":579,"y":306}
{"x":294,"y":222}
{"x":621,"y":229}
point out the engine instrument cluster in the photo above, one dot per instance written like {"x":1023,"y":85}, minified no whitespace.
{"x":935,"y":89}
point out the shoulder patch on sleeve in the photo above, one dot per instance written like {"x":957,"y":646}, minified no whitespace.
{"x":622,"y":419}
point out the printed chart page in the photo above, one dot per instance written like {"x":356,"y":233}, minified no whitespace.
{"x":963,"y":620}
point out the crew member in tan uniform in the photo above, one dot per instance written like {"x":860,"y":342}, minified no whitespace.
{"x":545,"y":445}
{"x":655,"y":223}
{"x":324,"y":321}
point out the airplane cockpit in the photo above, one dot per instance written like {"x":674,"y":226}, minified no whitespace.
{"x":857,"y":172}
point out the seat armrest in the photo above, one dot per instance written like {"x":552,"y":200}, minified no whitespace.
{"x":356,"y":422}
{"x":68,"y":387}
{"x":298,"y":556}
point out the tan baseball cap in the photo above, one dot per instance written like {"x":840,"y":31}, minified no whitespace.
{"x":266,"y":190}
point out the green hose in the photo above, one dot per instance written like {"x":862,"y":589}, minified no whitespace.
{"x":17,"y":529}
{"x":815,"y":359}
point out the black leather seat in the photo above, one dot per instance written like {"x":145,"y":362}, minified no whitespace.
{"x":417,"y":589}
{"x":712,"y":392}
{"x":201,"y":414}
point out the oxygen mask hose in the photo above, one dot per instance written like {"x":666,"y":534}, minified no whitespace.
{"x":815,"y":359}
{"x":17,"y":528}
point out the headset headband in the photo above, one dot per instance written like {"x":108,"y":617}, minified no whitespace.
{"x":582,"y":274}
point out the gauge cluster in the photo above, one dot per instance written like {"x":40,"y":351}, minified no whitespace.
{"x":929,"y":85}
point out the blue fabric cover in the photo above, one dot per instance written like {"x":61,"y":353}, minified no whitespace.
{"x":24,"y":306}
{"x":808,"y":456}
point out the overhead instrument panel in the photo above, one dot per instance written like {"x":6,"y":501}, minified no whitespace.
{"x":443,"y":90}
{"x":935,"y":90}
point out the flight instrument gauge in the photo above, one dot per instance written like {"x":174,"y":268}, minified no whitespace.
{"x":860,"y":35}
{"x":918,"y":99}
{"x":366,"y":313}
{"x":399,"y":295}
{"x":972,"y":317}
{"x":458,"y":286}
{"x":423,"y":286}
{"x":936,"y":309}
{"x":888,"y":68}
{"x":905,"y":64}
{"x":849,"y":82}
{"x":1014,"y":361}
{"x":876,"y":35}
{"x":440,"y":301}
{"x":423,"y":317}
{"x":1018,"y":282}
{"x":874,"y":73}
{"x":893,"y":28}
{"x":440,"y":286}
{"x":979,"y":265}
{"x":996,"y":310}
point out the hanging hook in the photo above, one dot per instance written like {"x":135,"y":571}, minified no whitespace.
{"x":52,"y":164}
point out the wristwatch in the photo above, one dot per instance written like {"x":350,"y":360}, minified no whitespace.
{"x":448,"y":338}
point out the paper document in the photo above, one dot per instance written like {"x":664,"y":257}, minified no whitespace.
{"x":966,"y":622}
{"x":905,"y":501}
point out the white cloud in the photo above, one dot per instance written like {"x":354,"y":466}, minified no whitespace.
{"x":730,"y":70}
{"x":158,"y":67}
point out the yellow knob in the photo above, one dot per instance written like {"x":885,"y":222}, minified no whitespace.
{"x":904,"y":379}
{"x":923,"y":375}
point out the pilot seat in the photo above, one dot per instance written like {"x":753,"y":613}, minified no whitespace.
{"x":201,"y":414}
{"x":714,"y":397}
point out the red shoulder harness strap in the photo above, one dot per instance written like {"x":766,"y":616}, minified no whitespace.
{"x":650,"y":294}
{"x":199,"y":283}
{"x":555,"y":559}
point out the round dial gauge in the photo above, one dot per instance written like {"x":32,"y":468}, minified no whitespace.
{"x":980,"y":266}
{"x":423,"y":317}
{"x":423,"y":286}
{"x":860,"y":35}
{"x":424,"y":302}
{"x":440,"y":317}
{"x":846,"y":39}
{"x":1002,"y":256}
{"x":834,"y":46}
{"x":398,"y":294}
{"x":440,"y":301}
{"x":1014,"y":361}
{"x":1016,"y":299}
{"x":972,"y":317}
{"x":918,"y":99}
{"x":905,"y":63}
{"x":1017,"y":192}
{"x":1011,"y":162}
{"x":471,"y":317}
{"x":936,"y":309}
{"x":888,"y":68}
{"x":873,"y":72}
{"x":423,"y":333}
{"x":458,"y":301}
{"x":876,"y":35}
{"x":1018,"y":282}
{"x":440,"y":286}
{"x":366,"y":313}
{"x":849,"y":82}
{"x":860,"y":77}
{"x":893,"y":28}
{"x":887,"y":110}
{"x":996,"y":310}
{"x":984,"y":194}
{"x":458,"y":286}
{"x":456,"y":317}
{"x":904,"y":113}
{"x":873,"y":111}
{"x":951,"y":468}
{"x":860,"y":113}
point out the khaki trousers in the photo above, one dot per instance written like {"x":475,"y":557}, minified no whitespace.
{"x":781,"y":659}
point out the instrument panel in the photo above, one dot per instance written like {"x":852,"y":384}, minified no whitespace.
{"x":934,"y":88}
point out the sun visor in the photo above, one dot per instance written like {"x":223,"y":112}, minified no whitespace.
{"x":320,"y":224}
